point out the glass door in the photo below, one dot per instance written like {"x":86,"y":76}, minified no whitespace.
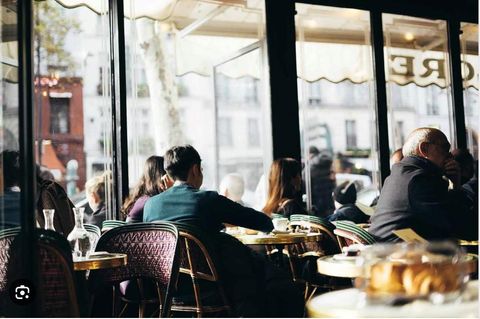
{"x":336,"y":104}
{"x":241,"y":126}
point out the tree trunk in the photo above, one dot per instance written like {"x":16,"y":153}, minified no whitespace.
{"x":160,"y":71}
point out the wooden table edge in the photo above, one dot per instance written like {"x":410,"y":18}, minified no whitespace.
{"x":111,"y":262}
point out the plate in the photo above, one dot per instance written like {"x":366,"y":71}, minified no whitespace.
{"x":344,"y":257}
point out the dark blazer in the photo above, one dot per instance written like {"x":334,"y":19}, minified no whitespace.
{"x":205,"y":209}
{"x":290,"y":207}
{"x":96,"y":217}
{"x":416,"y":196}
{"x":349,"y":212}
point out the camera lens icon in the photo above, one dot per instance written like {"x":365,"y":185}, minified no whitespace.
{"x":22,"y":292}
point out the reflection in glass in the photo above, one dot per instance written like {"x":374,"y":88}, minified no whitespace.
{"x":9,"y":121}
{"x":336,"y":106}
{"x":73,"y":122}
{"x":469,"y":49}
{"x":418,"y":78}
{"x":239,"y":110}
{"x":171,"y":92}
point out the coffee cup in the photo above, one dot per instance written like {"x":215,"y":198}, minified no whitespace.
{"x":280,"y":224}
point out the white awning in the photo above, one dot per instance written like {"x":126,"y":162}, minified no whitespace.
{"x":206,"y":34}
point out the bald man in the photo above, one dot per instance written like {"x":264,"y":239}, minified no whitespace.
{"x":416,"y":193}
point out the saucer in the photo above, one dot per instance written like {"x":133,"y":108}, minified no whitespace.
{"x":344,"y":257}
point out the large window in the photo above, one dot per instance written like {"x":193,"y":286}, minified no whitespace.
{"x":191,"y":81}
{"x":418,"y":78}
{"x":469,"y":48}
{"x":337,"y":116}
{"x":73,"y":122}
{"x":9,"y":122}
{"x":59,"y":115}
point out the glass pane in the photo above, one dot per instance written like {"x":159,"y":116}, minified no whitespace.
{"x":469,"y":49}
{"x":9,"y":121}
{"x":418,"y":78}
{"x":171,"y":96}
{"x":240,"y":133}
{"x":337,"y":114}
{"x":73,"y":125}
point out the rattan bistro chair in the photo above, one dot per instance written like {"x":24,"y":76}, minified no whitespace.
{"x":7,"y":236}
{"x":197,"y":261}
{"x":55,"y":285}
{"x":349,"y":233}
{"x":152,"y":257}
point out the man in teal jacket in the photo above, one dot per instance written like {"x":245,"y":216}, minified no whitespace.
{"x":184,"y":201}
{"x":253,"y":286}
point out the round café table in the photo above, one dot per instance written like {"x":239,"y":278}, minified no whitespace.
{"x":347,"y":267}
{"x":100,"y":261}
{"x":278,"y":239}
{"x":339,"y":267}
{"x":274,"y":244}
{"x":471,"y":246}
{"x":350,"y":303}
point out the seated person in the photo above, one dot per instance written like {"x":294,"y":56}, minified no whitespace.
{"x":322,"y":177}
{"x":232,"y":187}
{"x":345,"y":196}
{"x":10,"y":199}
{"x":185,"y":201}
{"x":284,"y":186}
{"x":469,"y":179}
{"x":95,"y":190}
{"x":416,"y":193}
{"x":51,"y":195}
{"x":246,"y":278}
{"x":150,"y":184}
{"x":396,"y":157}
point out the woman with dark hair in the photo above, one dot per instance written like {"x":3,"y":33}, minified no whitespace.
{"x":151,"y":183}
{"x":284,"y":185}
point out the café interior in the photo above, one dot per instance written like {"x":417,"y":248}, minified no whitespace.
{"x":98,"y":93}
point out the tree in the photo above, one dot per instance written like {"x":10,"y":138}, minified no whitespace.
{"x":51,"y":28}
{"x":162,"y":84}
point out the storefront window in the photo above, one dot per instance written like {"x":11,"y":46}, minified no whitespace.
{"x":9,"y":121}
{"x":418,"y":77}
{"x":188,"y":84}
{"x":337,"y":114}
{"x":469,"y":49}
{"x":73,"y":122}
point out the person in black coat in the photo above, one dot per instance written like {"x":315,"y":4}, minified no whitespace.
{"x":416,"y":194}
{"x":345,"y":195}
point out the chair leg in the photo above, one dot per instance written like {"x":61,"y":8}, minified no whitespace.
{"x":141,"y":309}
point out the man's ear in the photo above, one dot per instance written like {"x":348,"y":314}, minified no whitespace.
{"x":196,"y":169}
{"x":423,"y":149}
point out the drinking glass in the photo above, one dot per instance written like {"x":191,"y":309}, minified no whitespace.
{"x":48,"y":216}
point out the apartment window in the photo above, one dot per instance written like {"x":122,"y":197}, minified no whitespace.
{"x":351,"y":133}
{"x":315,"y":94}
{"x":59,"y":115}
{"x":225,"y":132}
{"x":400,"y":132}
{"x":253,"y":133}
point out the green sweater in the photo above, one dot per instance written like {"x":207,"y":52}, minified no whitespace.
{"x":205,"y":209}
